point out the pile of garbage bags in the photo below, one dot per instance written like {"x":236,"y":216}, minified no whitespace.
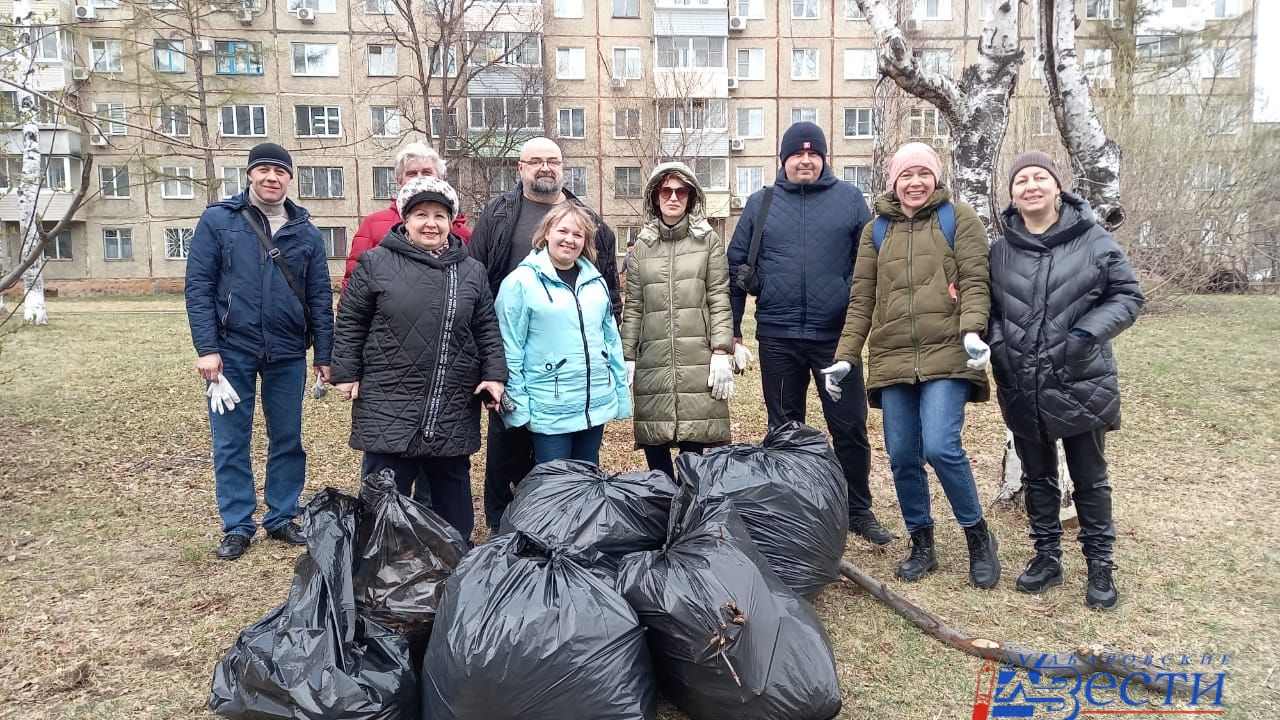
{"x":599,"y":593}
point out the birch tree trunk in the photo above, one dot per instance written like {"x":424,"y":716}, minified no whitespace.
{"x":32,"y":179}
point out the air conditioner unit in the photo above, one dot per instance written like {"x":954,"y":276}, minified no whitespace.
{"x":737,"y":22}
{"x":86,"y":12}
{"x":914,"y":25}
{"x":941,"y":143}
{"x":204,"y":46}
{"x":245,"y":15}
{"x":731,"y":83}
{"x":1117,"y":23}
{"x":453,"y":144}
{"x":306,"y":14}
{"x":737,"y":202}
{"x":80,"y":73}
{"x":98,"y":139}
{"x":618,"y":83}
{"x":737,"y":144}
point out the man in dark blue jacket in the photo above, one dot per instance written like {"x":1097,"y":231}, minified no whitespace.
{"x":247,"y":322}
{"x":805,"y":268}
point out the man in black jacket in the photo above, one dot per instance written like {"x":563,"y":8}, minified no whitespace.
{"x":502,"y":238}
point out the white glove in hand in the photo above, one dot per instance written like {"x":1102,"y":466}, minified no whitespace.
{"x":720,"y":378}
{"x":631,"y":372}
{"x":318,"y":390}
{"x":741,"y":357}
{"x":834,"y":375}
{"x":979,"y":352}
{"x":222,"y":397}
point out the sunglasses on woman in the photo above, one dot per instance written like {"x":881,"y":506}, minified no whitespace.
{"x":680,"y":193}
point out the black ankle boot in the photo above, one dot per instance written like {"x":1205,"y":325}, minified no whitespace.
{"x":922,"y":559}
{"x":984,"y":564}
{"x":1043,"y":572}
{"x":1100,"y":592}
{"x":867,"y":526}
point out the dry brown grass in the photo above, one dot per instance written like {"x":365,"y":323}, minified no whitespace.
{"x":114,"y":606}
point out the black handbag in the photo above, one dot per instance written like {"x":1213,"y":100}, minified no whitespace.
{"x":748,"y":280}
{"x":273,"y":252}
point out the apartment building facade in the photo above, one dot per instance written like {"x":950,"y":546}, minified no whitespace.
{"x":175,"y":96}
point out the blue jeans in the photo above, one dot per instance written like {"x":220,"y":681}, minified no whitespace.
{"x":581,"y":445}
{"x":284,"y":383}
{"x":922,"y":422}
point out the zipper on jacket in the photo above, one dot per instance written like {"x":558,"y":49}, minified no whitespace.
{"x":227,"y":314}
{"x":911,"y":297}
{"x":804,"y":254}
{"x":432,"y":409}
{"x":671,"y":328}
{"x":586,"y":352}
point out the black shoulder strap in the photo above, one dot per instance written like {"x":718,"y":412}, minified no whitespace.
{"x":277,"y":257}
{"x":758,"y":230}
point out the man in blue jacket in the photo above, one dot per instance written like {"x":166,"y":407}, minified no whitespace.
{"x":805,"y":267}
{"x":248,"y":322}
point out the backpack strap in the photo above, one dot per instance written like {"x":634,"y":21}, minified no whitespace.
{"x":946,"y":215}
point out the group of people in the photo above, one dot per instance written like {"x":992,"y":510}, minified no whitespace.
{"x":525,"y":318}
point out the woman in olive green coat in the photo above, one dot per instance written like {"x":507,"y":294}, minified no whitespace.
{"x":919,"y":303}
{"x":677,"y":327}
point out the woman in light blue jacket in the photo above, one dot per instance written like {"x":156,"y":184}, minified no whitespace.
{"x":564,"y":354}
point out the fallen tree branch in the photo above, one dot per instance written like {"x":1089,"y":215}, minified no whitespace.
{"x":1082,"y":662}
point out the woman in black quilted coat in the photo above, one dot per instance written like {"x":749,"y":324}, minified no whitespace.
{"x":1061,"y":289}
{"x":417,"y":349}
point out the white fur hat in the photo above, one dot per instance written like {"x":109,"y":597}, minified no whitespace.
{"x":426,"y":188}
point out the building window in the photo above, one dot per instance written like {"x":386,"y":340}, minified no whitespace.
{"x":1159,"y":49}
{"x":750,"y":179}
{"x":177,"y":243}
{"x":926,"y":123}
{"x":804,"y":114}
{"x":233,"y":180}
{"x":320,"y":182}
{"x":176,"y":183}
{"x":317,"y":120}
{"x":504,"y":113}
{"x":454,"y":128}
{"x":237,"y":57}
{"x":859,"y":176}
{"x":626,"y":63}
{"x":244,"y":120}
{"x":938,"y":61}
{"x":627,"y":182}
{"x":110,"y":116}
{"x":502,"y":177}
{"x":49,"y":44}
{"x":506,"y":48}
{"x":852,"y":11}
{"x":626,"y":123}
{"x":1224,"y":9}
{"x":449,"y":55}
{"x":61,"y":172}
{"x":931,"y":9}
{"x":860,"y":65}
{"x":571,"y":63}
{"x":804,"y":9}
{"x":382,"y":60}
{"x":575,"y":180}
{"x":751,"y":63}
{"x":335,"y":241}
{"x":173,"y":120}
{"x":572,"y":123}
{"x":379,"y":7}
{"x":384,"y":182}
{"x":690,"y":52}
{"x":695,"y":114}
{"x":170,"y":56}
{"x":320,"y":6}
{"x":1040,"y":121}
{"x":385,"y":120}
{"x":315,"y":59}
{"x":59,"y":248}
{"x":114,"y":181}
{"x":859,"y":122}
{"x":107,"y":56}
{"x":750,"y":122}
{"x":804,"y":64}
{"x":1097,"y":67}
{"x":1221,"y":118}
{"x":750,"y":9}
{"x":569,"y":9}
{"x":712,"y":173}
{"x":117,"y":244}
{"x":1099,"y":9}
{"x":626,"y":8}
{"x":1221,"y":62}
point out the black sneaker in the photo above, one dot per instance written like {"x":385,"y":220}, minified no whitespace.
{"x":866,"y":525}
{"x":1044,"y":571}
{"x":922,"y":559}
{"x":233,"y":546}
{"x":1100,"y":593}
{"x":984,"y":562}
{"x":288,"y":533}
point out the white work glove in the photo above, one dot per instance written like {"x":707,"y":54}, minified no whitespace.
{"x":720,"y":378}
{"x":741,"y":357}
{"x":318,"y":390}
{"x":631,"y":372}
{"x":979,"y":352}
{"x":222,"y":397}
{"x":834,"y":375}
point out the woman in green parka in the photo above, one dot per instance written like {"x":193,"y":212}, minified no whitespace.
{"x":919,"y":304}
{"x":677,"y":327}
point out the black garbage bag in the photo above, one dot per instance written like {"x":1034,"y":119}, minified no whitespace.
{"x":314,"y":657}
{"x":404,"y":554}
{"x":792,"y":495}
{"x":575,"y":503}
{"x":526,"y":632}
{"x":729,"y":640}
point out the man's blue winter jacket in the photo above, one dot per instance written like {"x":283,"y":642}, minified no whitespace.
{"x":237,"y":297}
{"x":805,"y":265}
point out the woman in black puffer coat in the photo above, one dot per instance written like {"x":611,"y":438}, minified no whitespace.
{"x":1061,"y":289}
{"x":417,"y":348}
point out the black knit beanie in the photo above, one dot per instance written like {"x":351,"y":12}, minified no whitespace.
{"x":270,"y":154}
{"x":803,"y":136}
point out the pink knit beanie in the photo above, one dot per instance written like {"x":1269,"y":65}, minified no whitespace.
{"x":915,"y":154}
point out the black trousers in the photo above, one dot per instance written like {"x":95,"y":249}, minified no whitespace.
{"x":448,"y":477}
{"x":508,"y":458}
{"x":659,"y":456}
{"x":786,"y":367}
{"x":1092,"y":496}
